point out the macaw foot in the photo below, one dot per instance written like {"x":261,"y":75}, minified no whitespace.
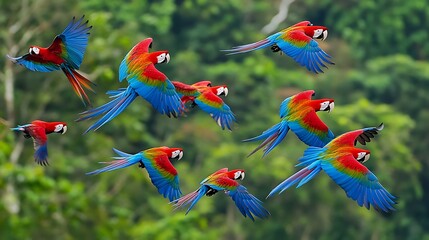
{"x":275,"y":48}
{"x":141,"y":165}
{"x":211,"y":192}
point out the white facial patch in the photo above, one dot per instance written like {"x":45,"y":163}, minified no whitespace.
{"x":361,"y":155}
{"x":176,"y":154}
{"x":58,"y":127}
{"x":324,"y":105}
{"x":220,"y":91}
{"x":163,"y":57}
{"x":34,"y":50}
{"x":238,"y":175}
{"x":317,"y":33}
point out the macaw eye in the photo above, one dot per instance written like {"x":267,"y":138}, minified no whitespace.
{"x":317,"y":33}
{"x":177,"y":154}
{"x":310,"y":24}
{"x":163,"y":57}
{"x":60,"y":128}
{"x":34,"y":50}
{"x":239,"y":175}
{"x":324,"y":105}
{"x":361,"y":157}
{"x":219,"y":91}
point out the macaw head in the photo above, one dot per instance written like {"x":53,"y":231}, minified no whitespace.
{"x":326,"y":104}
{"x":237,"y":174}
{"x":34,"y":50}
{"x":173,"y":153}
{"x":57,"y":127}
{"x":316,"y":32}
{"x":160,"y":57}
{"x":220,"y":90}
{"x":361,"y":155}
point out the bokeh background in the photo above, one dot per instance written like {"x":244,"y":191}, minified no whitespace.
{"x":381,"y":75}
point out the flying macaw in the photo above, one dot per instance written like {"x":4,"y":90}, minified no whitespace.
{"x":138,"y":68}
{"x":38,"y":130}
{"x":206,"y":97}
{"x":65,"y":53}
{"x":343,"y":162}
{"x":224,"y":180}
{"x":298,"y":113}
{"x":297,"y":42}
{"x":157,"y":163}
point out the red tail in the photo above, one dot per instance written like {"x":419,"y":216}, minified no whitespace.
{"x":77,"y":81}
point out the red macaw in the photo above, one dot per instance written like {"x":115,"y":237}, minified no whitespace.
{"x":157,"y":163}
{"x":297,"y":42}
{"x":343,"y":162}
{"x":65,"y":53}
{"x":38,"y":130}
{"x":138,"y":68}
{"x":206,"y":97}
{"x":298,"y":113}
{"x":224,"y":180}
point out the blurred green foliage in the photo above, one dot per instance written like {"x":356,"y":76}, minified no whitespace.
{"x":381,"y":75}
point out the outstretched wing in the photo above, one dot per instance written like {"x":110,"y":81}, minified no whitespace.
{"x":185,"y":90}
{"x":162,"y":174}
{"x":34,"y":63}
{"x":359,"y":183}
{"x":311,"y":130}
{"x":248,"y":204}
{"x":40,"y":141}
{"x":218,"y":110}
{"x":71,"y":44}
{"x":304,"y":50}
{"x":362,"y":135}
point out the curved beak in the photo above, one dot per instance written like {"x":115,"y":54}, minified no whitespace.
{"x":167,"y":58}
{"x":324,"y":35}
{"x":331,"y":107}
{"x":225,"y":91}
{"x":366,"y":158}
{"x":64,"y":130}
{"x":180,"y":155}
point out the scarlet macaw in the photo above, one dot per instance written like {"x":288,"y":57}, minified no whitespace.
{"x":65,"y":53}
{"x":298,"y":113}
{"x":297,"y":42}
{"x":38,"y":130}
{"x":157,"y":163}
{"x":224,"y":180}
{"x":138,"y":68}
{"x":206,"y":97}
{"x":343,"y":162}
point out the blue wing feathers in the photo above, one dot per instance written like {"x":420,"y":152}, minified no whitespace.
{"x":248,"y":204}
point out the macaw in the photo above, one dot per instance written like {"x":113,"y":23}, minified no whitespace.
{"x":205,"y":96}
{"x":157,"y":163}
{"x":138,"y":68}
{"x":224,"y":180}
{"x":38,"y":130}
{"x":65,"y":53}
{"x":343,"y":162}
{"x":298,"y":113}
{"x":297,"y":42}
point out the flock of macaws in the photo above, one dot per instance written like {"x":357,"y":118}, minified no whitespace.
{"x":337,"y":156}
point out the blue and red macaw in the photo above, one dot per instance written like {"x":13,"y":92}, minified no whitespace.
{"x":297,"y":42}
{"x":65,"y":53}
{"x":343,"y":162}
{"x":157,"y":163}
{"x":138,"y":68}
{"x":298,"y":114}
{"x":203,"y":95}
{"x":38,"y":130}
{"x":224,"y":180}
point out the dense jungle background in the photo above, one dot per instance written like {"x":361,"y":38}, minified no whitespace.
{"x":381,"y":74}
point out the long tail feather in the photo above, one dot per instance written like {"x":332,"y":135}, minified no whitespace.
{"x":122,"y":98}
{"x":272,"y":136}
{"x":79,"y":82}
{"x":249,"y":47}
{"x":117,"y":164}
{"x":190,"y":199}
{"x":301,"y":177}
